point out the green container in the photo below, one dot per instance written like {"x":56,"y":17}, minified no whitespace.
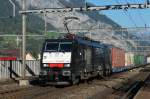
{"x":142,"y":58}
{"x":135,"y":59}
{"x":138,"y":59}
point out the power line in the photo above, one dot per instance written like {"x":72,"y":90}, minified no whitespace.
{"x":14,"y":11}
{"x":6,"y":17}
{"x":130,"y":17}
{"x":9,"y":35}
{"x":140,"y":15}
{"x":14,"y":7}
{"x":128,"y":14}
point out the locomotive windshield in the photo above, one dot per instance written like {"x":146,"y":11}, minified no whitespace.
{"x":58,"y":46}
{"x":51,"y":46}
{"x":65,"y":47}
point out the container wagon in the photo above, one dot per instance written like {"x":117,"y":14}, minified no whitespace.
{"x":67,"y":61}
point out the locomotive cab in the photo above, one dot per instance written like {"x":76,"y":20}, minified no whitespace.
{"x":56,"y":61}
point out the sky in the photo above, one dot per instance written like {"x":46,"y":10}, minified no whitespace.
{"x":130,"y":18}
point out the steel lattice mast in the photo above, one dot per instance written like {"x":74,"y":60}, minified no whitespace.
{"x":89,"y":8}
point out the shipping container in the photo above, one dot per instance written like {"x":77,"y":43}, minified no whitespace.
{"x":132,"y":59}
{"x":145,"y":60}
{"x":118,"y":57}
{"x":136,"y":59}
{"x":148,"y":59}
{"x":129,"y":59}
{"x":139,"y":59}
{"x":142,"y":59}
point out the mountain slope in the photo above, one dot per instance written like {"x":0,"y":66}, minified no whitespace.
{"x":35,"y":22}
{"x":13,"y":25}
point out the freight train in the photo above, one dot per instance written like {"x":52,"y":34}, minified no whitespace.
{"x":69,"y":60}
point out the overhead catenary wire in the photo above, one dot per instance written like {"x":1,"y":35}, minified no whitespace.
{"x":14,"y":11}
{"x":5,"y":17}
{"x":14,"y":8}
{"x":140,"y":15}
{"x":128,"y":15}
{"x":133,"y":22}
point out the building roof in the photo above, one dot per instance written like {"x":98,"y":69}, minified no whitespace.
{"x":15,"y":53}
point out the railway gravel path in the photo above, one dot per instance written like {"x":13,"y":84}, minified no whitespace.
{"x":108,"y":88}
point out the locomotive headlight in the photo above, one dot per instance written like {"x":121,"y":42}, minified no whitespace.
{"x":45,"y":65}
{"x":66,"y":65}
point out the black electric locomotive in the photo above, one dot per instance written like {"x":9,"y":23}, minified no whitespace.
{"x":66,"y":61}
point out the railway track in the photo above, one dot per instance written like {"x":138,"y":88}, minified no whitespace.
{"x":39,"y":92}
{"x":130,"y":88}
{"x":25,"y":93}
{"x":131,"y":93}
{"x":112,"y":87}
{"x":143,"y":92}
{"x":126,"y":88}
